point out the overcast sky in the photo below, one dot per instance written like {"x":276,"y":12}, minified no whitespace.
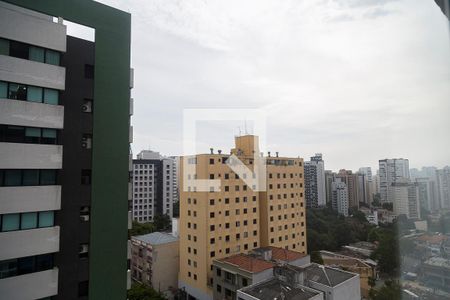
{"x":357,"y":80}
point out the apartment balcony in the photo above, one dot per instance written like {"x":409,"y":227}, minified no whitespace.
{"x":30,"y":156}
{"x":30,"y":242}
{"x":30,"y":286}
{"x":26,"y":113}
{"x":29,"y":72}
{"x":30,"y":198}
{"x":131,"y":106}
{"x":128,"y":279}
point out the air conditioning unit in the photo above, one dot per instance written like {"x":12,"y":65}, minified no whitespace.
{"x":86,"y":142}
{"x":84,"y":218}
{"x":87,"y":107}
{"x":84,"y":248}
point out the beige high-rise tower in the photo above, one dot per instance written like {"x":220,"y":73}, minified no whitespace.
{"x":233,"y":218}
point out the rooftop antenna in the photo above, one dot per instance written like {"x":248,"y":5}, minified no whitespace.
{"x":245,"y":126}
{"x":239,"y":127}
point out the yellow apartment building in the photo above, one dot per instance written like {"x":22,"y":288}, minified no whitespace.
{"x":233,"y":216}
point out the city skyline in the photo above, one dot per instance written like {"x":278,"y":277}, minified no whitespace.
{"x":339,"y":92}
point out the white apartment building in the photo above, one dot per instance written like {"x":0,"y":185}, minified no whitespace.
{"x":405,"y":198}
{"x":443,"y":187}
{"x":155,"y":187}
{"x":391,"y":170}
{"x":315,"y":191}
{"x":339,"y":197}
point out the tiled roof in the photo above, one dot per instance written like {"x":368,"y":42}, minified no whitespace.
{"x":432,"y":239}
{"x":284,"y":254}
{"x":248,"y":263}
{"x":156,"y":238}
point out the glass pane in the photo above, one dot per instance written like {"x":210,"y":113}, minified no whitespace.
{"x":46,"y":219}
{"x":52,"y":57}
{"x":51,"y":96}
{"x":8,"y":268}
{"x":35,"y":132}
{"x":48,"y":177}
{"x":28,"y":220}
{"x":36,"y":54}
{"x":49,"y":133}
{"x":15,"y":134}
{"x":17,"y":91}
{"x":10,"y":222}
{"x":13,"y":178}
{"x":3,"y":90}
{"x":44,"y":262}
{"x":31,"y":177}
{"x":34,"y":94}
{"x":25,"y":265}
{"x":4,"y":47}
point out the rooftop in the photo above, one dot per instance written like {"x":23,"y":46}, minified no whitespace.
{"x":276,"y":289}
{"x":156,"y":238}
{"x":248,"y":263}
{"x":438,"y":262}
{"x":432,"y":239}
{"x":281,"y":254}
{"x":326,"y":275}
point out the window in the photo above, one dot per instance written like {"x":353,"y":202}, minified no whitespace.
{"x":28,"y":220}
{"x":83,"y":288}
{"x":17,"y":49}
{"x":25,"y":265}
{"x":84,"y":251}
{"x":47,"y":177}
{"x":51,"y":96}
{"x":4,"y":47}
{"x":34,"y":94}
{"x":3,"y":86}
{"x":10,"y":222}
{"x":85,"y":177}
{"x":46,"y":219}
{"x":52,"y":57}
{"x":211,"y":161}
{"x":219,"y":289}
{"x":17,"y":91}
{"x":36,"y":54}
{"x":89,"y":71}
{"x":212,"y":254}
{"x":244,"y":282}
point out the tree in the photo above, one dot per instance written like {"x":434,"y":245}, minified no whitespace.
{"x":316,"y":257}
{"x":387,"y":253}
{"x":141,"y":291}
{"x":376,"y":200}
{"x":360,"y":216}
{"x":141,"y":228}
{"x":162,"y":222}
{"x":390,"y":290}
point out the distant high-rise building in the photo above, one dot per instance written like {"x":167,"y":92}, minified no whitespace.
{"x":363,"y":190}
{"x":329,"y":178}
{"x":427,"y":193}
{"x":366,"y":171}
{"x":443,"y":187}
{"x":339,"y":197}
{"x":405,"y":197}
{"x":234,"y":218}
{"x":390,"y":171}
{"x":444,"y":5}
{"x":64,"y":151}
{"x":351,"y":181}
{"x":315,"y":193}
{"x":155,"y":188}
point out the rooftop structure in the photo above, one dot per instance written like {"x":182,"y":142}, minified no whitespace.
{"x":277,"y":289}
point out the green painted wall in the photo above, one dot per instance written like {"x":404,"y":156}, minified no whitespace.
{"x":108,"y":246}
